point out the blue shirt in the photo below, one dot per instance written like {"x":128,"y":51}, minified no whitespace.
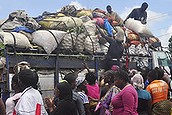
{"x":143,"y":94}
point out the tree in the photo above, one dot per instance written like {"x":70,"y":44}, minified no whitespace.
{"x":170,"y":44}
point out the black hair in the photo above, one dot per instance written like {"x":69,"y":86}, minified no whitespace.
{"x":108,"y":6}
{"x":70,"y":78}
{"x":15,"y":78}
{"x":160,"y":72}
{"x":123,"y":75}
{"x":15,"y":84}
{"x":144,"y":72}
{"x":29,"y":78}
{"x":109,"y":75}
{"x":153,"y":75}
{"x":91,"y":78}
{"x":144,"y":6}
{"x":65,"y":90}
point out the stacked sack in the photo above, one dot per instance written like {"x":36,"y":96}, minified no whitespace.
{"x":72,"y":31}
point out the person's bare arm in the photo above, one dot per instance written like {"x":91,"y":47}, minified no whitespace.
{"x":2,"y":108}
{"x":109,"y":39}
{"x":50,"y":104}
{"x":86,"y":66}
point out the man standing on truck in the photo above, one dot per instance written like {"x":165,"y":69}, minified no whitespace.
{"x":139,"y":13}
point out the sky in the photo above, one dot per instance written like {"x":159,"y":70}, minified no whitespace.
{"x":159,"y":11}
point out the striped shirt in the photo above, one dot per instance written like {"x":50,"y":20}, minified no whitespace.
{"x":84,"y":97}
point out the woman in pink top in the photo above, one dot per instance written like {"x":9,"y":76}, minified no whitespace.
{"x":126,"y":101}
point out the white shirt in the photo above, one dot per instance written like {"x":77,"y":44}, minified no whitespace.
{"x":10,"y":104}
{"x":28,"y":101}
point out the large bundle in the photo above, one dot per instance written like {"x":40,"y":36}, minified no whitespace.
{"x":76,"y":30}
{"x":49,"y":40}
{"x":20,"y":18}
{"x":138,"y":27}
{"x":61,"y":23}
{"x":91,"y":44}
{"x":90,"y":27}
{"x":132,"y":36}
{"x":69,"y":10}
{"x":85,"y":12}
{"x":13,"y":38}
{"x":73,"y":43}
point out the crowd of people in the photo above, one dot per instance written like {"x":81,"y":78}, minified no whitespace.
{"x":117,"y":91}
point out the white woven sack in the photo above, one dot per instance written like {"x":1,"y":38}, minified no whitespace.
{"x":120,"y":34}
{"x":91,"y":27}
{"x":85,"y":18}
{"x":66,"y":43}
{"x":46,"y":40}
{"x":103,"y":48}
{"x":70,"y":41}
{"x":21,"y":40}
{"x":137,"y":27}
{"x":92,"y":44}
{"x":79,"y":42}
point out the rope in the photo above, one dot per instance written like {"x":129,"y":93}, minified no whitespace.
{"x":14,"y":42}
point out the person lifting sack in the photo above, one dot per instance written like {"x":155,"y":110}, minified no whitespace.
{"x":115,"y":51}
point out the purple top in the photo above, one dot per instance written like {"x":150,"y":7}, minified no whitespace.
{"x":125,"y":102}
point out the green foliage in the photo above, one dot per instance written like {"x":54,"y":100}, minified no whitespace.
{"x":2,"y":47}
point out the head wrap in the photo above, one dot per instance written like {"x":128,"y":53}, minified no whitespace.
{"x":115,"y":67}
{"x":20,"y":66}
{"x":137,"y":81}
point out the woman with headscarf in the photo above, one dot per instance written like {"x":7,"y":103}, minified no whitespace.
{"x":144,"y":97}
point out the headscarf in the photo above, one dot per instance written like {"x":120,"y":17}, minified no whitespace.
{"x":137,"y":81}
{"x":115,"y":67}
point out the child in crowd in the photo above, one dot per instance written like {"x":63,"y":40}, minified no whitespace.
{"x":93,"y":90}
{"x":81,"y":89}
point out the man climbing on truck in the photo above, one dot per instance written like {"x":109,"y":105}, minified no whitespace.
{"x":139,"y":13}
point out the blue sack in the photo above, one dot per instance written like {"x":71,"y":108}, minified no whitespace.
{"x":22,"y":28}
{"x":108,"y":27}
